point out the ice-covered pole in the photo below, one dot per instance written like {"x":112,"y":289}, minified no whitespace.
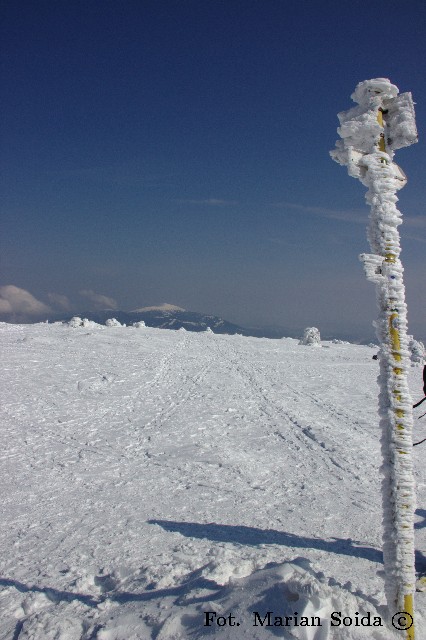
{"x":382,"y":122}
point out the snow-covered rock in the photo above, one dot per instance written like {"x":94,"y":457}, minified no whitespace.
{"x":81,"y":322}
{"x":89,"y":323}
{"x":75,"y":322}
{"x":311,"y":337}
{"x":417,"y":350}
{"x":139,"y":325}
{"x":113,"y":322}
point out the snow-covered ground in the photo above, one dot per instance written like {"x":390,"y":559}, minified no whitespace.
{"x":153,"y":481}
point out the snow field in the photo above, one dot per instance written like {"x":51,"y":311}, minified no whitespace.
{"x":150,"y":476}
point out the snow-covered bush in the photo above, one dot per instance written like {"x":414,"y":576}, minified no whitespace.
{"x":112,"y":322}
{"x":139,"y":325}
{"x":416,"y":349}
{"x":311,"y":337}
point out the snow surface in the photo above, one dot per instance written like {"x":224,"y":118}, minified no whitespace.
{"x":152,"y":476}
{"x":165,"y":306}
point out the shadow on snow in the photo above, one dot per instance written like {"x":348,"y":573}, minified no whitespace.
{"x":422,"y":514}
{"x":195,"y":580}
{"x":253,"y":536}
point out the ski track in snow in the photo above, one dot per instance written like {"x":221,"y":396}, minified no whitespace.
{"x":151,"y":475}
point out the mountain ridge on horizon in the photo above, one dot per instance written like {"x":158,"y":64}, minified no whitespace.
{"x":163,"y":316}
{"x":170,"y":316}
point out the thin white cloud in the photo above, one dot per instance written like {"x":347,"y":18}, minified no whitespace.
{"x":408,"y":236}
{"x":281,"y":241}
{"x":360,"y":216}
{"x":213,"y":202}
{"x":14,"y":300}
{"x":99,"y":300}
{"x":415,"y":221}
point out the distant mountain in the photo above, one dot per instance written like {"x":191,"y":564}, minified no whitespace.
{"x":170,"y":316}
{"x":164,"y":316}
{"x":162,"y":307}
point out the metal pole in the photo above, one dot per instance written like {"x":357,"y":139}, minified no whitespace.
{"x":370,"y":133}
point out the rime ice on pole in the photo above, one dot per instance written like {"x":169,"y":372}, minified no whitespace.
{"x":370,"y":132}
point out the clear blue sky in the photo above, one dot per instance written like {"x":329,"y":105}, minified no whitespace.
{"x":177,"y":151}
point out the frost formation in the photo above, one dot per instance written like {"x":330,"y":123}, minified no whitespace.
{"x":417,"y":350}
{"x":370,"y":132}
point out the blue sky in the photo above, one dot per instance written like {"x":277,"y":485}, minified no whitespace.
{"x":177,"y":151}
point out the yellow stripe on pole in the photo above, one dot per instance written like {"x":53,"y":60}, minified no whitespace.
{"x":409,"y":608}
{"x":396,"y":352}
{"x":394,"y":335}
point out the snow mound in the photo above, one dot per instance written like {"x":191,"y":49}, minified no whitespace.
{"x":311,"y":337}
{"x":139,"y":325}
{"x":287,"y":598}
{"x":113,"y":322}
{"x":81,"y":322}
